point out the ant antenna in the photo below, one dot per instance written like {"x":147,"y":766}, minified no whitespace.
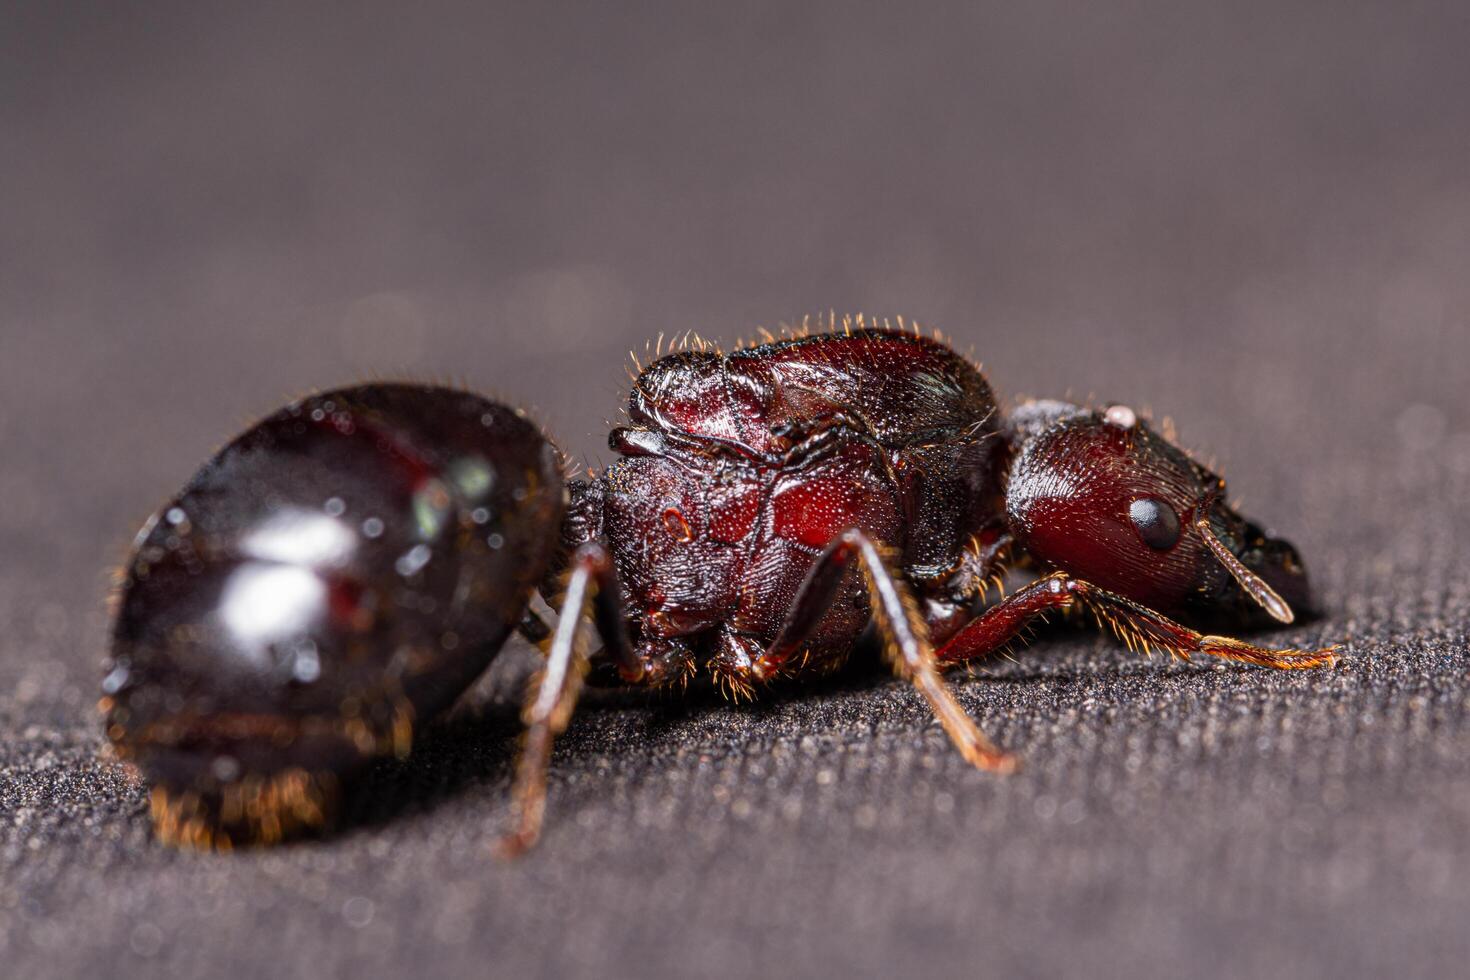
{"x":1254,"y":585}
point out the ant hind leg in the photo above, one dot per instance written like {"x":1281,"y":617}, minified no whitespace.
{"x":591,"y":586}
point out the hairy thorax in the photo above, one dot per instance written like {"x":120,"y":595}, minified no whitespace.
{"x":739,"y":469}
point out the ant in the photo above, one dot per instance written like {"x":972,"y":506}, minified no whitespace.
{"x":341,"y":572}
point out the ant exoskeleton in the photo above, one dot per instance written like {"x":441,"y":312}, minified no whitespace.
{"x":340,"y":573}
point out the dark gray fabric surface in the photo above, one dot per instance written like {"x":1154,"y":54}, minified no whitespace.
{"x":1255,"y":220}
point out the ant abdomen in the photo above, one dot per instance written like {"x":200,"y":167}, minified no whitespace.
{"x":333,"y":577}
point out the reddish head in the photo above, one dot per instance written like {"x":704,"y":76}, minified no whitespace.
{"x":1105,"y":498}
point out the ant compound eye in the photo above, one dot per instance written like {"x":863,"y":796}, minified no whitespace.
{"x":1155,"y":522}
{"x":1120,"y":415}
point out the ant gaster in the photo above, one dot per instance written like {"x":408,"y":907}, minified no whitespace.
{"x":340,"y":573}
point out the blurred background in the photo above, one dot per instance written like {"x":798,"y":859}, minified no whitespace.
{"x":208,"y":209}
{"x":1254,"y":218}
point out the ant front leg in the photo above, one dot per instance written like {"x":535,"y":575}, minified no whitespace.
{"x":591,"y":582}
{"x":1136,"y":625}
{"x":905,"y":639}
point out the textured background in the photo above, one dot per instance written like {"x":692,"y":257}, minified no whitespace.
{"x":1256,"y":220}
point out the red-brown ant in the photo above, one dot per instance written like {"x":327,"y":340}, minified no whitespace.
{"x":340,"y":573}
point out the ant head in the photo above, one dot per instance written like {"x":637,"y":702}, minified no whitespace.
{"x":1105,"y":498}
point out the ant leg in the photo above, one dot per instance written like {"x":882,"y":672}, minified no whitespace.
{"x":905,"y":639}
{"x":591,"y":581}
{"x":1136,"y":625}
{"x":951,"y":596}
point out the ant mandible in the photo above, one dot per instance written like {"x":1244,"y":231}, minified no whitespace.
{"x":341,"y":572}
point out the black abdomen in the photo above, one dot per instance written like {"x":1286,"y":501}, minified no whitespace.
{"x":335,"y":576}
